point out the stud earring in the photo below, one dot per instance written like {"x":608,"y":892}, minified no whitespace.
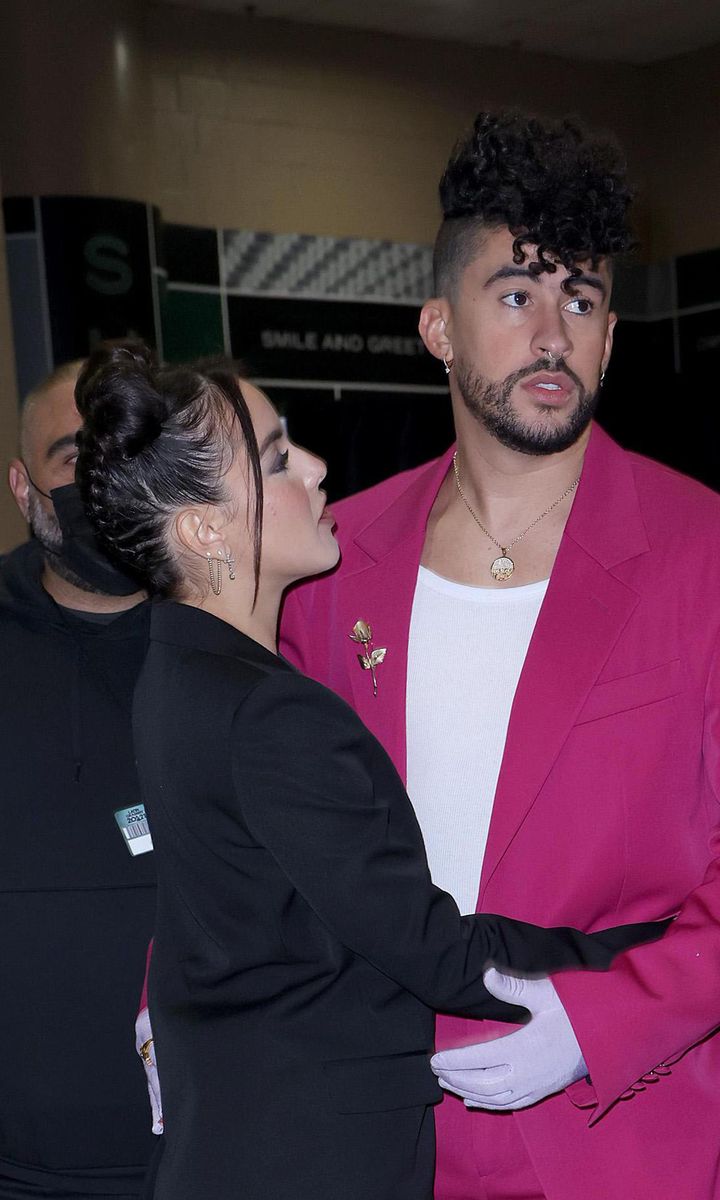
{"x":448,"y":365}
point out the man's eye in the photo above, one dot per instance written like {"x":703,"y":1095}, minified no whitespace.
{"x":580,"y":305}
{"x":516,"y":299}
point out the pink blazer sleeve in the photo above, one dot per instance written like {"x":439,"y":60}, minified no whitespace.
{"x":294,"y":640}
{"x":144,"y":993}
{"x":657,"y":1001}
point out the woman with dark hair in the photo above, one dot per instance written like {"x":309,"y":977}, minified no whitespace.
{"x":300,"y":944}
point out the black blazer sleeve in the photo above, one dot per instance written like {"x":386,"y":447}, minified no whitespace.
{"x":320,"y":793}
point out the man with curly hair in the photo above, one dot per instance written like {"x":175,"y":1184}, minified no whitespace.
{"x":550,"y":688}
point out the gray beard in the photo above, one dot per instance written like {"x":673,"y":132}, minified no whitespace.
{"x":46,"y":530}
{"x":490,"y":404}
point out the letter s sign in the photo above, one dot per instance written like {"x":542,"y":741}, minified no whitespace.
{"x":112,"y":275}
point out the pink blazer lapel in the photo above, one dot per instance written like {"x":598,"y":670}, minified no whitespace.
{"x":584,"y":612}
{"x":381,"y":593}
{"x":382,"y":596}
{"x":559,"y":671}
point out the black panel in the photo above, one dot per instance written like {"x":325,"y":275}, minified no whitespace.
{"x":700,"y":344}
{"x":640,"y":388}
{"x":19,"y":214}
{"x":366,"y":436}
{"x":97,"y":266}
{"x":190,"y":255}
{"x":330,"y":340}
{"x":698,"y":279}
{"x":647,"y":407}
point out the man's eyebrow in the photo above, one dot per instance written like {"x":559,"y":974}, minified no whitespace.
{"x":273,"y":436}
{"x":511,"y":273}
{"x":592,"y":281}
{"x":572,"y":281}
{"x":61,"y":443}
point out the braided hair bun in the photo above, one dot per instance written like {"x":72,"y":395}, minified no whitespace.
{"x":116,"y":395}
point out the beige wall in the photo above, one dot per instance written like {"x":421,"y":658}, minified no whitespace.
{"x":243,"y":122}
{"x":246,"y":123}
{"x":683,"y":153}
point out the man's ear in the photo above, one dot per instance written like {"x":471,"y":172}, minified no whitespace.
{"x":612,"y":322}
{"x":434,"y":328}
{"x":19,"y":485}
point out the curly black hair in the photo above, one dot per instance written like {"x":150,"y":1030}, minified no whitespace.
{"x":551,"y":183}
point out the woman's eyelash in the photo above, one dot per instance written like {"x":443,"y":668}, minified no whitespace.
{"x":282,"y":461}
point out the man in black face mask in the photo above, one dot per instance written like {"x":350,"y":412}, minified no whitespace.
{"x":49,"y":423}
{"x":77,"y":894}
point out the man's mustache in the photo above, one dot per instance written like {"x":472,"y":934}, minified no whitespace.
{"x":559,"y":367}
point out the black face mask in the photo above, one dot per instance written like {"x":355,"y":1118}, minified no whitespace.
{"x":80,"y":549}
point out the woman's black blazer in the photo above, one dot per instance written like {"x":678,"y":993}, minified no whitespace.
{"x":300,"y":946}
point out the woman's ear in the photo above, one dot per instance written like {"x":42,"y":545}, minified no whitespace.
{"x":200,"y":530}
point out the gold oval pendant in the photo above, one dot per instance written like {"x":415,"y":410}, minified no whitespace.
{"x":502,"y":568}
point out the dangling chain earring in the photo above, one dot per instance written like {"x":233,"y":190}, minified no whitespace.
{"x":448,"y":365}
{"x":215,"y":569}
{"x":215,"y":573}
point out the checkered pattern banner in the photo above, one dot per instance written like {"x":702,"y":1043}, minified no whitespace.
{"x":325,"y":267}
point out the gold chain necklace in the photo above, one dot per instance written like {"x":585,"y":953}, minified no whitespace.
{"x":502,"y":568}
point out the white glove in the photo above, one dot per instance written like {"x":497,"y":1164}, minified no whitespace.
{"x":145,"y":1047}
{"x":523,"y":1067}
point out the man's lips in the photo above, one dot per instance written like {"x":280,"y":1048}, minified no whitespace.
{"x":549,"y":387}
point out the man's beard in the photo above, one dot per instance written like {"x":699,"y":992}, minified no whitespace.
{"x":46,"y":529}
{"x":490,"y":404}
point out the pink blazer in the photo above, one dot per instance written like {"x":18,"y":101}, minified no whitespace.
{"x":608,"y":802}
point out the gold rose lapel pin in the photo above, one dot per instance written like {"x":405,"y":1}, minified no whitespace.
{"x":371,"y":659}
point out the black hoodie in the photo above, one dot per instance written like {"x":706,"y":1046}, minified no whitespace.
{"x":76,"y":909}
